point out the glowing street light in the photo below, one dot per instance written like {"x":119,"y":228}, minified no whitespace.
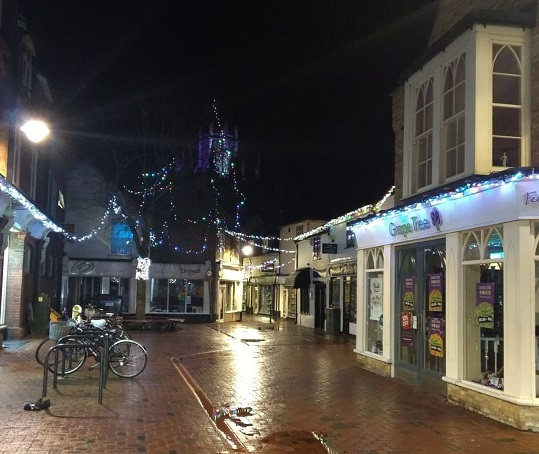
{"x":247,"y":250}
{"x":35,"y":130}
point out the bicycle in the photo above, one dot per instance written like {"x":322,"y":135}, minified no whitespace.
{"x":62,"y":328}
{"x":127,"y":358}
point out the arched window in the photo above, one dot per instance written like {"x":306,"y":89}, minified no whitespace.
{"x":506,"y":106}
{"x":423,"y":135}
{"x":454,"y":116}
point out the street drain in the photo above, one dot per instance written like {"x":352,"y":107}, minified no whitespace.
{"x":252,"y":340}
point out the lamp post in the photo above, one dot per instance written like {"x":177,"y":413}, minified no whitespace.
{"x":247,"y":251}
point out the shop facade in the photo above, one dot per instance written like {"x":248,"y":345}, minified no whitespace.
{"x":449,"y":299}
{"x":342,"y":299}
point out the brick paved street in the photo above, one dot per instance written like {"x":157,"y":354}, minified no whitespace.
{"x":305,"y":389}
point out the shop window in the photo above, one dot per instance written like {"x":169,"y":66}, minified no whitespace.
{"x":374,"y":319}
{"x":483,"y":304}
{"x":536,"y":277}
{"x":177,"y":295}
{"x":350,"y":298}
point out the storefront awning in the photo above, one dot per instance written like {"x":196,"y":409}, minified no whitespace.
{"x":300,"y":278}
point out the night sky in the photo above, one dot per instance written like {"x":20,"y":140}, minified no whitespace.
{"x":307,"y":83}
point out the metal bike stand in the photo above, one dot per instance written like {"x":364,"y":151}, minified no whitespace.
{"x":60,"y":346}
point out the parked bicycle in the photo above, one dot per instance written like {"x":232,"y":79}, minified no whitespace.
{"x":126,"y":357}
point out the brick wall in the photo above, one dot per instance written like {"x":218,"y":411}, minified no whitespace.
{"x":519,"y":416}
{"x":15,"y":308}
{"x":398,"y":130}
{"x":374,"y":365}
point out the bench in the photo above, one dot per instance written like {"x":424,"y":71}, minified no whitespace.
{"x":156,"y":324}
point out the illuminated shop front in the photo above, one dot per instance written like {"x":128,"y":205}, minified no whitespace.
{"x":179,"y":289}
{"x":448,"y":299}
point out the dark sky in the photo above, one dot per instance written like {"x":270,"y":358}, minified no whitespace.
{"x":307,"y":82}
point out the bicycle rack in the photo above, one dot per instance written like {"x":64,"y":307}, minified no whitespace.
{"x":103,"y":365}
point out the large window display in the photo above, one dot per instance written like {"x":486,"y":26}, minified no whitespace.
{"x":483,"y":302}
{"x":374,"y":311}
{"x":177,"y":295}
{"x":536,"y":258}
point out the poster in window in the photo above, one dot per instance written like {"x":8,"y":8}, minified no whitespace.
{"x":375,"y":298}
{"x":436,"y":337}
{"x":435,"y":281}
{"x":484,"y":304}
{"x":408,"y":292}
{"x":407,"y":335}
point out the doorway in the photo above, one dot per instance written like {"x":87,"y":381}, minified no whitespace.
{"x":420,"y":326}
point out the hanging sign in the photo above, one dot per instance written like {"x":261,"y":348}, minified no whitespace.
{"x":436,"y":336}
{"x":484,"y":300}
{"x":408,"y":292}
{"x":435,"y":289}
{"x":329,"y":248}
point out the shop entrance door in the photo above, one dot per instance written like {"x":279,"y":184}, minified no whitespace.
{"x":420,"y":325}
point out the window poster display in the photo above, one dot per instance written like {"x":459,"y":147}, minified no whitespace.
{"x":375,"y":298}
{"x":407,"y":336}
{"x":484,"y":304}
{"x":408,"y":299}
{"x":435,"y":290}
{"x":436,"y":337}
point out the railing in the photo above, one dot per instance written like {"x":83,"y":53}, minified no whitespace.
{"x":488,"y":345}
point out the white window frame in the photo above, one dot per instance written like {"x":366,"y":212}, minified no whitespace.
{"x":476,"y":43}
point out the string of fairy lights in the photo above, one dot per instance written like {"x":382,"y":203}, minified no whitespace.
{"x":359,"y":217}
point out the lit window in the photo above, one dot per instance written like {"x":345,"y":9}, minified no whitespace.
{"x":317,"y":247}
{"x":122,"y":239}
{"x":350,"y":237}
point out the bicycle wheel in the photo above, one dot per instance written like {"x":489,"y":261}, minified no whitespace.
{"x":42,"y":349}
{"x":72,"y":358}
{"x":122,"y":334}
{"x":127,"y":358}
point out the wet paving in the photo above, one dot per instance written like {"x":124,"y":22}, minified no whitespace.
{"x":239,"y":387}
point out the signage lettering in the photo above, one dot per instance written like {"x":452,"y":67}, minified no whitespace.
{"x":406,"y":228}
{"x":531,"y":197}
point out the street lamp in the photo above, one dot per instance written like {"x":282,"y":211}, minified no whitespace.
{"x":35,"y":130}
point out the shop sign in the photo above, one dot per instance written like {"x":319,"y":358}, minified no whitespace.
{"x":343,"y":269}
{"x":82,"y":267}
{"x":416,"y":224}
{"x":329,"y":248}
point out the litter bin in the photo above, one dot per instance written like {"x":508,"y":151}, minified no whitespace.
{"x":39,"y":316}
{"x":333,"y":319}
